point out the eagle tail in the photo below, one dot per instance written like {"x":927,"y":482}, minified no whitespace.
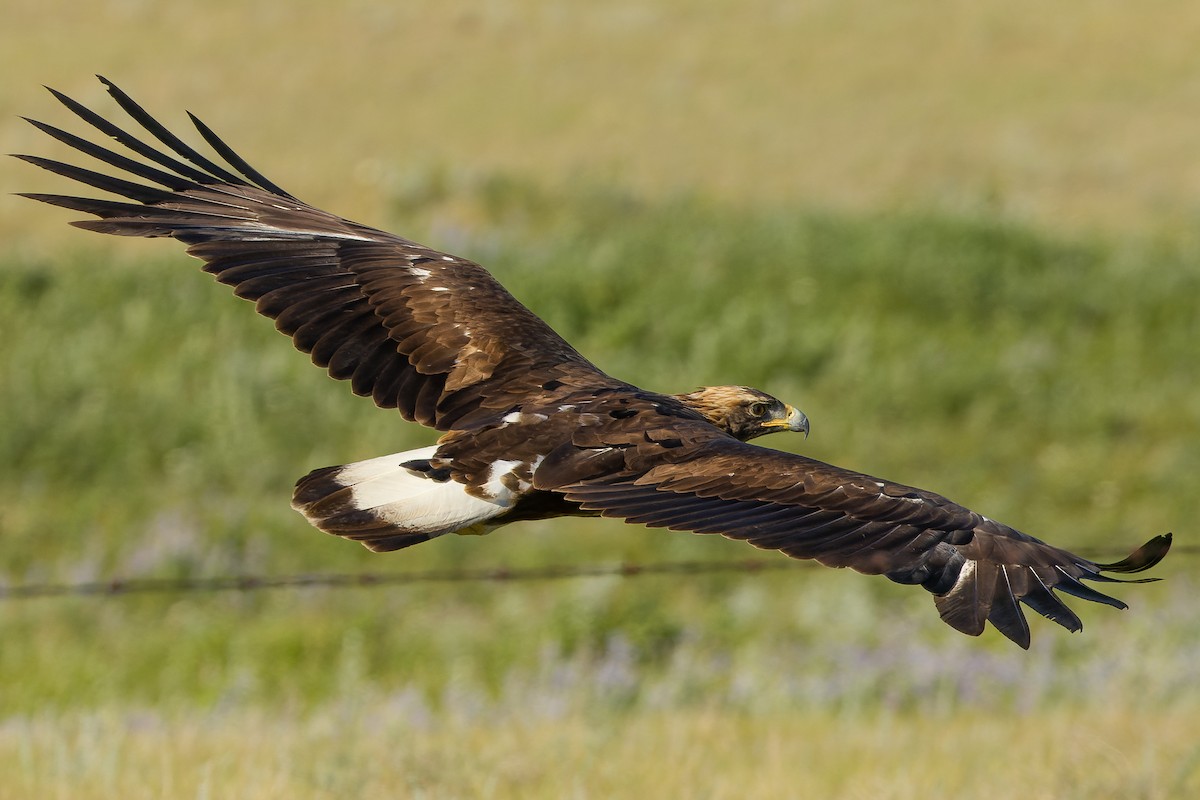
{"x":391,"y":502}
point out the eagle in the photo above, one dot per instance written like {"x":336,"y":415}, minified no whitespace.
{"x":530,"y":428}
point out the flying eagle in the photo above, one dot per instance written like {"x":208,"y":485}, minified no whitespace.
{"x":531,"y":429}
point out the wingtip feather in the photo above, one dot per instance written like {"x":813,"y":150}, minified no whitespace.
{"x":1142,"y":559}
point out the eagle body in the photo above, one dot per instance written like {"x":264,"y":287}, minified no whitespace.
{"x":530,"y":429}
{"x":475,"y":480}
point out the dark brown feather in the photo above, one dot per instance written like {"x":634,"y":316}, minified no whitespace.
{"x":410,"y":327}
{"x":978,"y":569}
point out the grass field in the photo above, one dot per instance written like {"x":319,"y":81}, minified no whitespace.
{"x":177,"y":452}
{"x":708,"y":754}
{"x":1000,"y":306}
{"x":1063,"y":116}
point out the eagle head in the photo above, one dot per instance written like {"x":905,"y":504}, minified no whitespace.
{"x":744,"y":413}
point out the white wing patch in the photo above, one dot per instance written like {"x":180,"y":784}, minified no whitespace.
{"x":522,"y":418}
{"x":495,"y":486}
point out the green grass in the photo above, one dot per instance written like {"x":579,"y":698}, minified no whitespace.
{"x":153,"y":427}
{"x":1047,"y":382}
{"x":795,"y":641}
{"x":962,"y":239}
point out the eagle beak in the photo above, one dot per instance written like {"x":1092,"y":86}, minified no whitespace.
{"x":794,"y":421}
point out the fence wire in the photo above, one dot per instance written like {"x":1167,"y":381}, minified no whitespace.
{"x":368,"y":580}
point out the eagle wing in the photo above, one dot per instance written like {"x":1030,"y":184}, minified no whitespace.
{"x":431,"y":334}
{"x":694,"y":478}
{"x":438,"y":338}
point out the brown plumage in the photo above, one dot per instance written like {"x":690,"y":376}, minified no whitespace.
{"x":531,"y":428}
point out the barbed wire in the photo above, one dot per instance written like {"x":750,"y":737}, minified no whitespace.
{"x":366,"y":580}
{"x":242,"y":583}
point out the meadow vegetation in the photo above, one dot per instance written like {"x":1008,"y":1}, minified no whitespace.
{"x":154,"y":426}
{"x":971,"y":278}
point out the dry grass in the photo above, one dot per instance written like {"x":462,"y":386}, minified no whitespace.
{"x":1065,"y":115}
{"x":1112,"y":753}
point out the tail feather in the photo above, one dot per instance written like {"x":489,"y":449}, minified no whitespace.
{"x":387,"y":505}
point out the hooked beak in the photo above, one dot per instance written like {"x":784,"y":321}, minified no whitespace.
{"x":794,"y":421}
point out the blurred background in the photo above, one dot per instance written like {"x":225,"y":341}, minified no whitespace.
{"x":962,"y":238}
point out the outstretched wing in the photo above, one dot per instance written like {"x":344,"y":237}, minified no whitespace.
{"x":430,"y":334}
{"x":703,"y":481}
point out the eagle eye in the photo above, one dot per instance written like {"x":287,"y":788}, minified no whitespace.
{"x":758,"y":409}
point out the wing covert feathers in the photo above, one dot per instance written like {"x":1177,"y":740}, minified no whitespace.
{"x":978,"y":570}
{"x":431,"y":334}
